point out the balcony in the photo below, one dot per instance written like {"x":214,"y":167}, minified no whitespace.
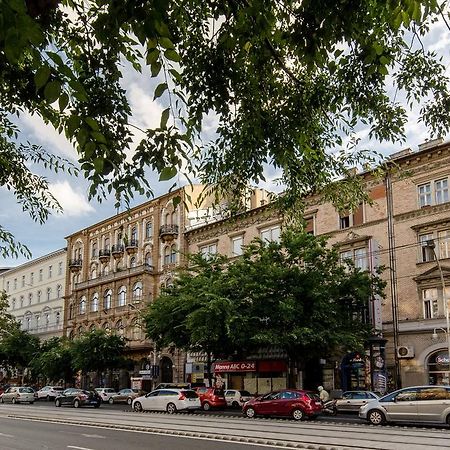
{"x":75,"y":265}
{"x":117,"y":251}
{"x":104,"y":254}
{"x":131,"y":247}
{"x":118,"y":275}
{"x":168,"y":233}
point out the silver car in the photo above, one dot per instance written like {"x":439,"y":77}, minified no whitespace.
{"x":353,"y":400}
{"x":411,"y":404}
{"x":18,"y":394}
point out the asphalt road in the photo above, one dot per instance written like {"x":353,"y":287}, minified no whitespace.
{"x":18,"y":434}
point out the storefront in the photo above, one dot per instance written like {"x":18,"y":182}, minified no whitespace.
{"x":438,"y":368}
{"x":258,"y":376}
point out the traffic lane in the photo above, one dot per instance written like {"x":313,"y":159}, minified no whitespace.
{"x":18,"y":434}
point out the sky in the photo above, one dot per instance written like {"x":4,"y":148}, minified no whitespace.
{"x":71,"y":192}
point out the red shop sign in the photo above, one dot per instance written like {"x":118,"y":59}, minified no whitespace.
{"x":244,"y":366}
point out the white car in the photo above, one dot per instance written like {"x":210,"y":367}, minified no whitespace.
{"x":236,"y":399}
{"x":49,"y":392}
{"x":106,"y":394}
{"x":170,"y":400}
{"x":18,"y":394}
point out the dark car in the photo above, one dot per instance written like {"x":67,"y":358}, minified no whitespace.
{"x":78,"y":397}
{"x":211,"y":397}
{"x":294,"y":403}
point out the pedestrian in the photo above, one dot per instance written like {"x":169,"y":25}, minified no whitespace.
{"x":323,"y":394}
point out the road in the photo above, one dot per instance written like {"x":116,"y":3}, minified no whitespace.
{"x":121,"y":429}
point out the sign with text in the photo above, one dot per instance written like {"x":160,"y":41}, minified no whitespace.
{"x":244,"y":366}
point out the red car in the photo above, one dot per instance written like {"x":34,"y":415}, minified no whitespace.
{"x":294,"y":403}
{"x":211,"y":397}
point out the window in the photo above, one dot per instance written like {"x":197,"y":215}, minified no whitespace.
{"x":430,"y":303}
{"x":349,"y":219}
{"x":107,"y":300}
{"x":137,"y":292}
{"x":39,"y":295}
{"x":31,"y":278}
{"x":148,"y":230}
{"x":7,"y":286}
{"x":94,"y":303}
{"x":23,"y":280}
{"x":358,"y":256}
{"x":210,"y":249}
{"x":122,"y":297}
{"x":173,"y":254}
{"x":47,"y":319}
{"x":236,"y":245}
{"x":50,"y":269}
{"x":148,"y":259}
{"x":444,"y":244}
{"x":271,"y":234}
{"x":30,"y":299}
{"x":424,"y":194}
{"x":13,"y":303}
{"x":57,"y":317}
{"x":133,"y":262}
{"x":426,"y":252}
{"x":106,"y":243}
{"x":58,"y":291}
{"x":21,"y":301}
{"x":83,"y":305}
{"x":134,"y":235}
{"x":94,"y":249}
{"x":15,"y":283}
{"x":441,"y":191}
{"x":37,"y":320}
{"x":40,"y":274}
{"x":60,"y":268}
{"x":49,"y":294}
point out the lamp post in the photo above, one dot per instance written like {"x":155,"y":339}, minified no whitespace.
{"x":431,"y":245}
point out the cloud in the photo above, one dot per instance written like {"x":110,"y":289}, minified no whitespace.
{"x":73,"y":203}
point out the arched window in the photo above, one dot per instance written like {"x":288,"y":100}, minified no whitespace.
{"x":92,"y":328}
{"x":107,"y":300}
{"x":14,"y":303}
{"x":83,"y":305}
{"x":94,"y":303}
{"x":133,"y":261}
{"x":173,"y":254}
{"x":57,"y":317}
{"x":28,"y":323}
{"x":39,"y":295}
{"x":168,"y":218}
{"x":21,"y":301}
{"x":49,"y":294}
{"x":71,"y":311}
{"x":58,"y":291}
{"x":148,"y":259}
{"x":30,"y":298}
{"x":137,"y":292}
{"x":148,"y":230}
{"x":122,"y":296}
{"x":119,"y":328}
{"x":106,"y":243}
{"x":93,"y":271}
{"x":106,"y":327}
{"x":105,"y":269}
{"x":174,"y":218}
{"x":47,"y":319}
{"x":37,"y":319}
{"x":134,"y":236}
{"x":94,"y":249}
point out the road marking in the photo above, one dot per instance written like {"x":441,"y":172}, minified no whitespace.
{"x":79,"y":448}
{"x":95,"y":436}
{"x":6,"y":435}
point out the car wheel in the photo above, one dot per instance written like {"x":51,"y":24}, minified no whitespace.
{"x":58,"y":402}
{"x":76,"y":403}
{"x":250,"y":413}
{"x":31,"y":403}
{"x":376,"y":417}
{"x":171,"y":408}
{"x":111,"y":401}
{"x":298,"y":414}
{"x":206,"y":406}
{"x":235,"y":404}
{"x":447,"y":420}
{"x":137,"y":406}
{"x":13,"y":401}
{"x":129,"y":401}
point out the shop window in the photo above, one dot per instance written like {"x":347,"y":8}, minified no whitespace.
{"x":438,"y":368}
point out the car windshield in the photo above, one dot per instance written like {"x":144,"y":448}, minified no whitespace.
{"x":189,"y":394}
{"x":219,"y":392}
{"x":26,"y":390}
{"x":245,"y":393}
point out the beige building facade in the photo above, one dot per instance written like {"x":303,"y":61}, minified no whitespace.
{"x":35,"y":292}
{"x":410,"y":213}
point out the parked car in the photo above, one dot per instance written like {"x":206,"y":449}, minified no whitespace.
{"x":124,"y":396}
{"x":351,"y":401}
{"x":411,"y":404}
{"x":173,"y":386}
{"x":295,"y":403}
{"x":18,"y":394}
{"x":49,"y":392}
{"x":236,"y":399}
{"x":106,"y":394}
{"x":170,"y":400}
{"x":78,"y":397}
{"x":211,"y":397}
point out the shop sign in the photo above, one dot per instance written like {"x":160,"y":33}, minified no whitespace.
{"x":442,"y":359}
{"x":244,"y":366}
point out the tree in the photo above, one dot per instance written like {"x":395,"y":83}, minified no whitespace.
{"x":294,"y":294}
{"x":97,"y":350}
{"x":8,"y":323}
{"x":285,"y":80}
{"x":54,"y":361}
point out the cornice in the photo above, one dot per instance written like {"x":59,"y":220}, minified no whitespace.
{"x":422,"y":212}
{"x":35,"y":262}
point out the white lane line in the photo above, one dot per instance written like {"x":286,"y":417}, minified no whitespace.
{"x":79,"y":448}
{"x":94,"y":436}
{"x":6,"y":435}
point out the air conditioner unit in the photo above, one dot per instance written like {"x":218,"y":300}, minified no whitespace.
{"x":405,"y":351}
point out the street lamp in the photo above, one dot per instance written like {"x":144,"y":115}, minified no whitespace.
{"x":431,"y":245}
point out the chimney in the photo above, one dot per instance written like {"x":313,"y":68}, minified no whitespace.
{"x":431,"y":143}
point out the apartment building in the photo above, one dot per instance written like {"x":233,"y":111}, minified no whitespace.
{"x":35,"y":292}
{"x":118,"y":266}
{"x":406,"y":230}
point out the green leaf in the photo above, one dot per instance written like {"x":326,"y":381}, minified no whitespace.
{"x":160,"y":89}
{"x":41,"y":76}
{"x":164,"y":118}
{"x":99,"y":137}
{"x":52,"y":91}
{"x":72,"y":124}
{"x":152,"y":56}
{"x":165,"y":42}
{"x":55,"y":58}
{"x":172,"y":55}
{"x":92,"y":123}
{"x":167,"y":173}
{"x":156,"y":68}
{"x":63,"y":101}
{"x":98,"y":165}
